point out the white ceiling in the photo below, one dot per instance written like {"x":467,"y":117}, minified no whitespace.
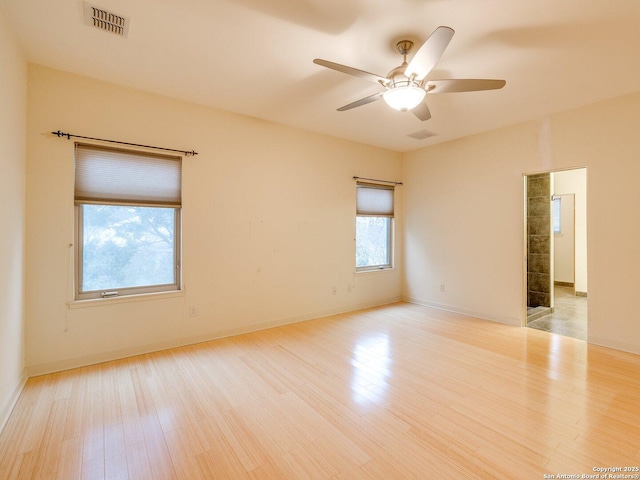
{"x":255,"y":57}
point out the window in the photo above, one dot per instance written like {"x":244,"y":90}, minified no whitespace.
{"x":557,"y":218}
{"x":374,"y":226}
{"x":128,"y":208}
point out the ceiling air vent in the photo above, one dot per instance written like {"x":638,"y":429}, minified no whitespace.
{"x":105,"y":20}
{"x":422,"y":134}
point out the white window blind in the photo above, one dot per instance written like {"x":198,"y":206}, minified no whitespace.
{"x":113,"y":176}
{"x":374,"y":200}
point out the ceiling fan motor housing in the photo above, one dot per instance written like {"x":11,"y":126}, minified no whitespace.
{"x":396,"y":76}
{"x":399,"y":79}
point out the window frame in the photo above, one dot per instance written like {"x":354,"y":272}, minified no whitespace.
{"x":390,"y":249}
{"x":390,"y":229}
{"x":103,"y":294}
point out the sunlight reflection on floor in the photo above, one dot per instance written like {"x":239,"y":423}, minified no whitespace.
{"x":371,"y":367}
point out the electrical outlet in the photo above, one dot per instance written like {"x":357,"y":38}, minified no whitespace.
{"x":193,"y":312}
{"x":442,"y":287}
{"x":334,"y":290}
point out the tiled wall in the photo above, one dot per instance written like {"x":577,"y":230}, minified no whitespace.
{"x":539,"y":240}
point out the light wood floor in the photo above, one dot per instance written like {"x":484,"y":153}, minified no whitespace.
{"x":394,"y":392}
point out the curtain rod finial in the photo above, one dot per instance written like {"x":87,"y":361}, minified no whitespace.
{"x":62,"y":134}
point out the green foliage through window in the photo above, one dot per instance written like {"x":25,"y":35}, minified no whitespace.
{"x":373,"y":241}
{"x":127,"y":246}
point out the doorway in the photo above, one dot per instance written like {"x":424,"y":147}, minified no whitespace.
{"x":556,"y":252}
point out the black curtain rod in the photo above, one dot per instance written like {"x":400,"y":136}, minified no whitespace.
{"x":377,"y":180}
{"x":69,"y":135}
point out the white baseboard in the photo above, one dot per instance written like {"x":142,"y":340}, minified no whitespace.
{"x":603,"y":342}
{"x":77,"y":362}
{"x":10,"y":403}
{"x":515,"y":322}
{"x":606,"y":342}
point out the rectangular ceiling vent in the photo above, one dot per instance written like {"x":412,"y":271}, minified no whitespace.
{"x":422,"y":134}
{"x":105,"y":20}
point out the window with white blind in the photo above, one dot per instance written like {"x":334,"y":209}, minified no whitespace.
{"x":374,"y":226}
{"x":128,"y":206}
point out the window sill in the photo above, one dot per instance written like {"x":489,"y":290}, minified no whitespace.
{"x":143,"y":297}
{"x":375,"y":270}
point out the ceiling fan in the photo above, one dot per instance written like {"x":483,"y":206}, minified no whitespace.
{"x":406,"y":85}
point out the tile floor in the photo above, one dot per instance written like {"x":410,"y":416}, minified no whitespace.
{"x":569,"y":317}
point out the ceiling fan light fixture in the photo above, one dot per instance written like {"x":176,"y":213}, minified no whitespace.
{"x":404,"y":98}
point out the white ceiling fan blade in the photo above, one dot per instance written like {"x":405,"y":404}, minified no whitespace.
{"x":372,"y":77}
{"x":429,"y":53}
{"x":362,"y":101}
{"x":422,"y":111}
{"x":463,"y":85}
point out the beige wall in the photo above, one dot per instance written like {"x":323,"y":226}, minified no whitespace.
{"x":464,"y":216}
{"x":13,"y":101}
{"x":269,"y":216}
{"x":268,"y":223}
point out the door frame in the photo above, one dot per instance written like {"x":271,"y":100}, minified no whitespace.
{"x":524,"y":300}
